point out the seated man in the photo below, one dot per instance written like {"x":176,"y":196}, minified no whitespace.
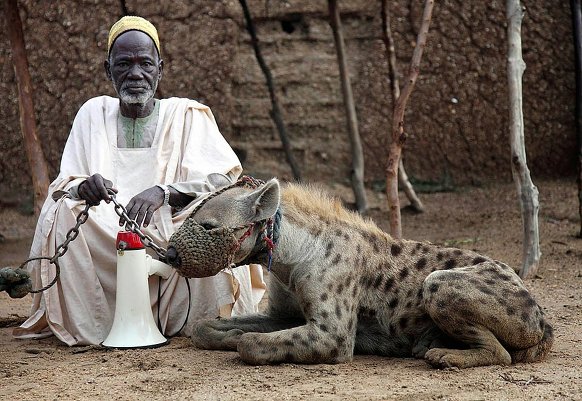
{"x":158,"y":156}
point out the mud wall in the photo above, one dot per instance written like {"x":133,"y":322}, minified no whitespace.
{"x":457,"y":117}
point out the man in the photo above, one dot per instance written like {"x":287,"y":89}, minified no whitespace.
{"x":158,"y":156}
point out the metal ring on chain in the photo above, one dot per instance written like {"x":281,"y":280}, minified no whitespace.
{"x":51,"y":259}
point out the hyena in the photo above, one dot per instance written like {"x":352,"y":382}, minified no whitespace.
{"x":339,"y":285}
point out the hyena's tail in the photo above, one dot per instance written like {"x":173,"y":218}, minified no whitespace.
{"x":538,"y":351}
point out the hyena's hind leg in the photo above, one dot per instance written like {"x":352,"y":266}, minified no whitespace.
{"x":486,"y":308}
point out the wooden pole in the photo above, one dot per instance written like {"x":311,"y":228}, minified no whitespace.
{"x":403,"y":180}
{"x":275,"y":112}
{"x":577,"y":33}
{"x":398,"y":133}
{"x":357,"y":175}
{"x":526,"y":190}
{"x":34,"y":154}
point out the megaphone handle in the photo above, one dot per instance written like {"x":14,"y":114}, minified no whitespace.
{"x":156,"y":267}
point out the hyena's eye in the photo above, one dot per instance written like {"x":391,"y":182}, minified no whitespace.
{"x":208,"y":226}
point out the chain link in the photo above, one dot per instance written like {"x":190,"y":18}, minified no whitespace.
{"x":61,"y":249}
{"x":73,"y":233}
{"x":132,"y":226}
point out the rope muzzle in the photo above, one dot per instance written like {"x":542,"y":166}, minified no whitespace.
{"x":202,"y":252}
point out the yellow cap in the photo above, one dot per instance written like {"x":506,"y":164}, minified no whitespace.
{"x":133,"y":23}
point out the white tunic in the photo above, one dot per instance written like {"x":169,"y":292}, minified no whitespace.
{"x":187,"y":147}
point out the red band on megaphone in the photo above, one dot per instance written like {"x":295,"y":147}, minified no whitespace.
{"x":131,"y":240}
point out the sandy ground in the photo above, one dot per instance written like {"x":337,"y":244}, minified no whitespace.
{"x":485,"y":219}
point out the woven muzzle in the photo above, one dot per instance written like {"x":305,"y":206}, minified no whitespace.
{"x":203,"y":253}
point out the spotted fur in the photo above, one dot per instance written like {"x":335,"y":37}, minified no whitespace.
{"x":340,"y":285}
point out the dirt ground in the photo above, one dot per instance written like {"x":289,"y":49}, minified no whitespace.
{"x":486,"y":219}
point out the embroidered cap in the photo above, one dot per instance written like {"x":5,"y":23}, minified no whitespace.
{"x":133,"y":23}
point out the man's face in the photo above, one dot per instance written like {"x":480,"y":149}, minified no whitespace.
{"x":134,"y":67}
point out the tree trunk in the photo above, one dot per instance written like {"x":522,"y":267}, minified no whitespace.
{"x":34,"y":154}
{"x":398,"y":133}
{"x":275,"y":112}
{"x":577,"y":31}
{"x":352,"y":119}
{"x":527,"y":191}
{"x":415,"y":202}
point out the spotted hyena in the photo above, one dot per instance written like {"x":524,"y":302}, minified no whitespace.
{"x":339,"y":285}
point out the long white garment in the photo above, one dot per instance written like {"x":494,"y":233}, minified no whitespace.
{"x":187,"y":148}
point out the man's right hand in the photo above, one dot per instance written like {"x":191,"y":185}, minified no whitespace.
{"x":94,"y":189}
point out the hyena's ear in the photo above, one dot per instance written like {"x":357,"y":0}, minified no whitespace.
{"x":264,"y":201}
{"x":217,"y":181}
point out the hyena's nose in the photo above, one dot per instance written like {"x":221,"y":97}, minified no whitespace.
{"x":172,"y":257}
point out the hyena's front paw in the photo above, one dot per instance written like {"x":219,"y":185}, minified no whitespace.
{"x":206,"y":336}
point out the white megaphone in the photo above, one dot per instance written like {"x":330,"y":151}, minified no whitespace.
{"x":133,"y":322}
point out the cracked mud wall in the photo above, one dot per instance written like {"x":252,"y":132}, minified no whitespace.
{"x":456,"y":119}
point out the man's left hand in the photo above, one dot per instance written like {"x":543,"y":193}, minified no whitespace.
{"x":142,"y":206}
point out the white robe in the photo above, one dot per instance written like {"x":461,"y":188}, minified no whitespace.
{"x":187,"y":147}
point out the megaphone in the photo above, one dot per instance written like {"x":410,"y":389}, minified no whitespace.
{"x":133,"y":321}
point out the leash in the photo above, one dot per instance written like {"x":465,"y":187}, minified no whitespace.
{"x":17,"y":283}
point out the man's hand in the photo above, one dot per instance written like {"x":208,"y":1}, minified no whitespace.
{"x":142,"y":206}
{"x":94,"y":189}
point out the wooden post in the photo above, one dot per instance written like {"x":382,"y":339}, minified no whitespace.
{"x":352,"y":119}
{"x":526,"y":190}
{"x":398,"y":133}
{"x":407,"y":187}
{"x":575,"y":8}
{"x":275,"y":112}
{"x":34,"y":154}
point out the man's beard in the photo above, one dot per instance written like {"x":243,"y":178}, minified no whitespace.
{"x":136,"y":98}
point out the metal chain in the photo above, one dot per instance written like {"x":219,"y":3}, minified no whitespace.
{"x":61,"y":249}
{"x":73,"y":233}
{"x":132,"y":226}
